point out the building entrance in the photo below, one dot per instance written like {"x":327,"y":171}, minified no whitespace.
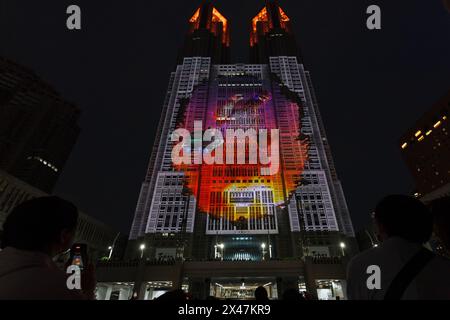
{"x":242,"y":289}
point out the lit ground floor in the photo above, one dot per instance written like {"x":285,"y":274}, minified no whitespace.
{"x":323,"y":278}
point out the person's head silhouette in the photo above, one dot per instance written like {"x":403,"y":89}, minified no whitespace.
{"x":45,"y":225}
{"x":261,"y":294}
{"x":404,"y":217}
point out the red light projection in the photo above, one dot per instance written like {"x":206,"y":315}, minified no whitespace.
{"x":228,"y":185}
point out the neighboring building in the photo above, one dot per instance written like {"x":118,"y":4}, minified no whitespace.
{"x":98,"y":236}
{"x":426,"y":150}
{"x":239,"y":222}
{"x":38,"y":129}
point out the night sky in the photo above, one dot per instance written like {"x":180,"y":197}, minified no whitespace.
{"x":371,"y":85}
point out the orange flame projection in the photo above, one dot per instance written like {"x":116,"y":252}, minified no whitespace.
{"x":195,"y":17}
{"x":217,"y":22}
{"x":222,"y":189}
{"x":263,"y":18}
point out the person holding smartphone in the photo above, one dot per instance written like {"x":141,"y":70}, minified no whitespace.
{"x":34,"y":233}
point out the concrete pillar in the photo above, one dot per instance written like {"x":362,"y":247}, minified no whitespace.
{"x":284,"y":284}
{"x":108,"y":292}
{"x":139,"y":279}
{"x":344,"y":289}
{"x":274,"y":292}
{"x":101,"y":292}
{"x":138,"y":287}
{"x":279,"y":282}
{"x":199,"y":288}
{"x":142,"y":291}
{"x":148,"y":294}
{"x":310,"y":283}
{"x":207,"y":289}
{"x":124,"y":293}
{"x":177,"y":279}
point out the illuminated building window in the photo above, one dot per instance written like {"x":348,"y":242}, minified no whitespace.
{"x":437,"y":124}
{"x":44,"y":162}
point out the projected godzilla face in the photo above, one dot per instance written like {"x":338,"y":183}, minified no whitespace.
{"x":238,"y":153}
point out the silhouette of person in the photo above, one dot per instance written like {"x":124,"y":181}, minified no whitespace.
{"x":261,"y":294}
{"x":33,"y":234}
{"x":408,"y":270}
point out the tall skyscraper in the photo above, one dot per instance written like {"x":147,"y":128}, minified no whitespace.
{"x":38,"y":128}
{"x":256,"y":179}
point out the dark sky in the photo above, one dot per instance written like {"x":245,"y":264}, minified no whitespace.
{"x":371,"y":85}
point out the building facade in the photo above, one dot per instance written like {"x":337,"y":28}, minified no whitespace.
{"x":241,"y":176}
{"x":234,"y":201}
{"x":323,"y":278}
{"x":38,"y":129}
{"x":426,"y":150}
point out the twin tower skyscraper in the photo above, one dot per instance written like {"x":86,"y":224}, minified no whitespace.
{"x":231,"y":211}
{"x":209,"y":35}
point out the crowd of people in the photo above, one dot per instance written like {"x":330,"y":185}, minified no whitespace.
{"x":39,"y":230}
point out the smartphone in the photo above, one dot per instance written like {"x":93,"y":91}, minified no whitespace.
{"x":78,"y":255}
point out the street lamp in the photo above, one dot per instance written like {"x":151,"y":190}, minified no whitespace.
{"x":343,"y":246}
{"x":370,"y":237}
{"x":111,"y":247}
{"x":222,"y":247}
{"x":263,"y":247}
{"x":142,"y":247}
